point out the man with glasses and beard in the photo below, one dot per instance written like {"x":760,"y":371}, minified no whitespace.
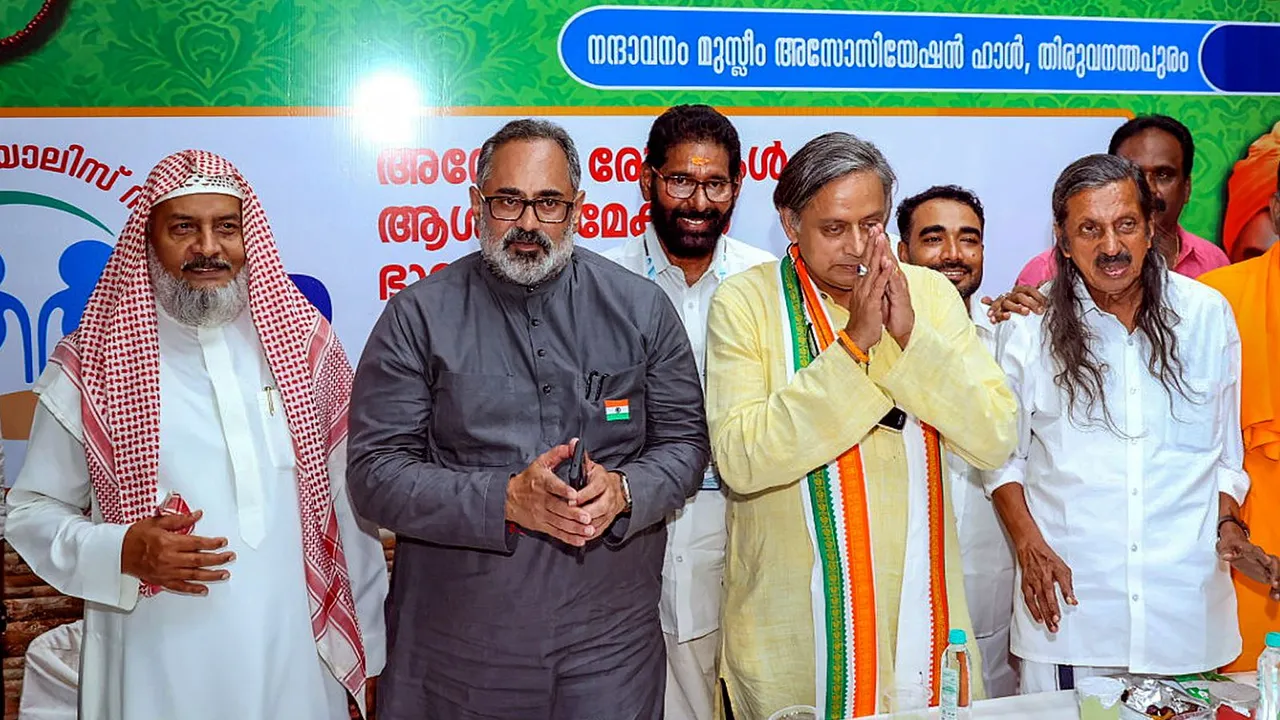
{"x":518,"y":593}
{"x":185,"y":474}
{"x":691,"y":180}
{"x":942,"y":229}
{"x":1128,"y":470}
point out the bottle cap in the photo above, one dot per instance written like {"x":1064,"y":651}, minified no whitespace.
{"x":1273,"y":639}
{"x":958,"y":636}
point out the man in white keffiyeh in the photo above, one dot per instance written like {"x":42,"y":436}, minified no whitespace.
{"x":186,"y":475}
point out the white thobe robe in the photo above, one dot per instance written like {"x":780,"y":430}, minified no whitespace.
{"x":246,"y":649}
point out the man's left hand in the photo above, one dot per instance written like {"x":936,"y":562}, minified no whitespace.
{"x":602,"y":497}
{"x":1248,"y":559}
{"x":901,"y":318}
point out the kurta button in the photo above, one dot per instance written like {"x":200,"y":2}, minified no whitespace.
{"x":546,"y":389}
{"x":542,"y":352}
{"x":535,"y":322}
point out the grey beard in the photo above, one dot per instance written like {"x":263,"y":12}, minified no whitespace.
{"x":198,"y":307}
{"x":522,"y":269}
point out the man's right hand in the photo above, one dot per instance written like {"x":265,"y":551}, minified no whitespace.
{"x":1041,"y":570}
{"x":156,"y":552}
{"x":537,"y":500}
{"x":868,"y":302}
{"x":1022,"y":299}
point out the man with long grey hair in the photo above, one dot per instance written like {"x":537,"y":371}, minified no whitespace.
{"x":1122,"y":496}
{"x":518,"y":593}
{"x":834,"y":380}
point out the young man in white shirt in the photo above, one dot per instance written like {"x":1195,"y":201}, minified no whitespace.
{"x":1128,"y":470}
{"x":942,"y":229}
{"x":691,"y":178}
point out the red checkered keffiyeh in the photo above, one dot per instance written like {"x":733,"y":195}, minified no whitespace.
{"x":114,"y":360}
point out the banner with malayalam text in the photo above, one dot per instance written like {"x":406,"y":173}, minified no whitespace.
{"x":359,"y":122}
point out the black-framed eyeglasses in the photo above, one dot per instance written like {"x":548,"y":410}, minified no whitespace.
{"x":511,"y":208}
{"x":682,"y":187}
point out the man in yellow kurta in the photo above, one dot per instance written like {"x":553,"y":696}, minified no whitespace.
{"x":1253,"y":289}
{"x":833,"y":377}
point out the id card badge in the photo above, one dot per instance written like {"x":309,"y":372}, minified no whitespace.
{"x":710,"y":478}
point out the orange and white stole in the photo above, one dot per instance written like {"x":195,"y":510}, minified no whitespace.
{"x":836,"y":512}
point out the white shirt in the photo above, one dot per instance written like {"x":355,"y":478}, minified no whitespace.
{"x":246,"y":649}
{"x":694,"y":564}
{"x":1134,"y":516}
{"x":985,"y":551}
{"x":966,"y":481}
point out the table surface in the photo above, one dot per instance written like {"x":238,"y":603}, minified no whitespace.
{"x":1041,"y":706}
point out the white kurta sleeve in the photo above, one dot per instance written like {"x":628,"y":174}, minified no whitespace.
{"x":366,"y":565}
{"x":1016,"y":351}
{"x":1232,"y":478}
{"x":47,"y":521}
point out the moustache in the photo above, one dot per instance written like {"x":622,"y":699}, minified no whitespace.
{"x":529,"y":237}
{"x":206,"y":263}
{"x":1121,"y":258}
{"x":943,"y":267}
{"x":697,"y":215}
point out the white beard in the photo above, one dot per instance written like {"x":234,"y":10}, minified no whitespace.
{"x":198,"y":307}
{"x":523,"y":269}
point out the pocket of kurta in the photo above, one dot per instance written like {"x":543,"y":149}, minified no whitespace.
{"x":1193,"y":424}
{"x":276,"y":428}
{"x":615,"y":422}
{"x":476,"y":420}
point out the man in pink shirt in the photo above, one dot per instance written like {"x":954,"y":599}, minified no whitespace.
{"x":1163,"y":148}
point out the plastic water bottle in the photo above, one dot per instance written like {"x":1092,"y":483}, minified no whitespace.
{"x":1269,"y":679}
{"x":955,"y":698}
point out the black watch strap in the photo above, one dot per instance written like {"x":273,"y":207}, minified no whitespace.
{"x":1234,"y":520}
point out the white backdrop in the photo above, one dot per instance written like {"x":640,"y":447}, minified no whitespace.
{"x":319,"y":180}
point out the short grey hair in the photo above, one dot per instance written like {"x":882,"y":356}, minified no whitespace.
{"x":1097,"y":171}
{"x":528,"y":129}
{"x":827,"y":158}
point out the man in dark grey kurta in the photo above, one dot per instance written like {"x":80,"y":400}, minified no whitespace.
{"x":470,"y":390}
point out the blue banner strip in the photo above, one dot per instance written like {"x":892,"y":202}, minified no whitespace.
{"x":733,"y":49}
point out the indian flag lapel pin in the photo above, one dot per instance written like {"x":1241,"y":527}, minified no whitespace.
{"x":617,"y":410}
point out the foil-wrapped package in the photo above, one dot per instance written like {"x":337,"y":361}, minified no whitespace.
{"x":1155,"y":699}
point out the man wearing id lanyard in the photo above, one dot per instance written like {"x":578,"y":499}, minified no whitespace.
{"x":834,"y":380}
{"x":691,"y":178}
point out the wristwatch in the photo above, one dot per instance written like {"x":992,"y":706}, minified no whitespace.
{"x":626,"y":489}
